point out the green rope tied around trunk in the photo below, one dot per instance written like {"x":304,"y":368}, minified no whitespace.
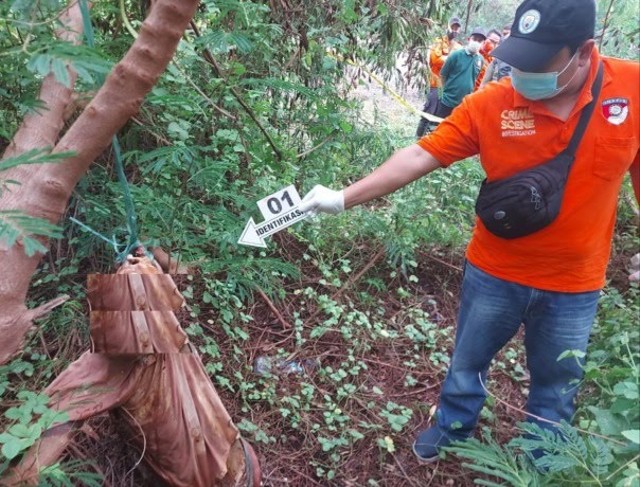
{"x":133,"y":242}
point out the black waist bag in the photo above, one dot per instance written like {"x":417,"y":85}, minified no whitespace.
{"x":524,"y":203}
{"x":530,"y":200}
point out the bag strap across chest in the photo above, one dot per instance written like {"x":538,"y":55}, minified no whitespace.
{"x":585,"y":116}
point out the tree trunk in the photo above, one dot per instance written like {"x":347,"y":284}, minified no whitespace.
{"x":45,"y":189}
{"x":41,"y":129}
{"x":468,"y":18}
{"x":144,"y":365}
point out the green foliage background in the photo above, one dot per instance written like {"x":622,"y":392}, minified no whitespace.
{"x":255,"y":100}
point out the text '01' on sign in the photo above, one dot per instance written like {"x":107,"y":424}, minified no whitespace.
{"x":280,"y":210}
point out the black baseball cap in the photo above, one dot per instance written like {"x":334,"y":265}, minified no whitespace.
{"x":478,"y":31}
{"x":542,"y":28}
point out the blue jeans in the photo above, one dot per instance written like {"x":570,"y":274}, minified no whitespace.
{"x":491,"y":312}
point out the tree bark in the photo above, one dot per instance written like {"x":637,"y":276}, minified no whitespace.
{"x":45,"y":189}
{"x":41,"y":129}
{"x":466,"y":21}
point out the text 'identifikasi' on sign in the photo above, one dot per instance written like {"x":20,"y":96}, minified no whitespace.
{"x":280,"y":210}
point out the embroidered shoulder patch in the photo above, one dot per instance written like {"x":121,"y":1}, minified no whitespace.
{"x":615,"y":110}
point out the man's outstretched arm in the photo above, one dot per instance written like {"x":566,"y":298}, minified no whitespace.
{"x":403,"y":167}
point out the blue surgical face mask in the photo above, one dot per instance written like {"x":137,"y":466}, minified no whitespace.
{"x":539,"y":86}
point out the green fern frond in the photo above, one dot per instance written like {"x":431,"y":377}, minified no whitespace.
{"x":16,"y":226}
{"x":34,"y":156}
{"x":495,"y":460}
{"x":220,"y":41}
{"x":278,"y":84}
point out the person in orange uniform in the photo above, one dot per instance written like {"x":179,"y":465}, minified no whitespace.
{"x":548,"y":280}
{"x":497,"y":69}
{"x":441,"y":49}
{"x":491,"y":42}
{"x":438,"y":54}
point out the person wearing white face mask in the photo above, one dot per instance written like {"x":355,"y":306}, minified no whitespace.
{"x":566,"y":130}
{"x":460,"y":72}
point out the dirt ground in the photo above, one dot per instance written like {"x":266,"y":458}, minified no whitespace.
{"x":381,"y":108}
{"x":287,"y":462}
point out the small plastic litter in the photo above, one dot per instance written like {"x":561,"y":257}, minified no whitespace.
{"x":264,"y":365}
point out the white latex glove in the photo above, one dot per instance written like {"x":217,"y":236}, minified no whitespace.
{"x":322,"y":199}
{"x":634,"y":268}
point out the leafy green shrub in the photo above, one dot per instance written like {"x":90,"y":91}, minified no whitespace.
{"x":604,"y":451}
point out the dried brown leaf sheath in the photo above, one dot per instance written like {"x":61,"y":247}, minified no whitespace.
{"x":146,"y":372}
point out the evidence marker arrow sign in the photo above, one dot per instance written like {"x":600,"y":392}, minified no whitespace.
{"x":250,"y":236}
{"x":254,"y":235}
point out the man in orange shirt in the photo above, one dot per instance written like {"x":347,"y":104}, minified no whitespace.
{"x":493,"y":39}
{"x":441,"y":49}
{"x":497,"y":69}
{"x":438,"y":54}
{"x":550,"y":279}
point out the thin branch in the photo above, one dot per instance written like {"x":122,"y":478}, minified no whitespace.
{"x":466,"y":21}
{"x":624,"y":466}
{"x":45,"y":309}
{"x":213,"y":63}
{"x":203,"y":94}
{"x":351,"y":281}
{"x":404,"y":474}
{"x":544,"y":420}
{"x":285,"y":323}
{"x":454,"y":267}
{"x":605,"y":24}
{"x":185,"y":76}
{"x":158,"y":137}
{"x":362,"y":272}
{"x":307,"y":152}
{"x":144,"y":442}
